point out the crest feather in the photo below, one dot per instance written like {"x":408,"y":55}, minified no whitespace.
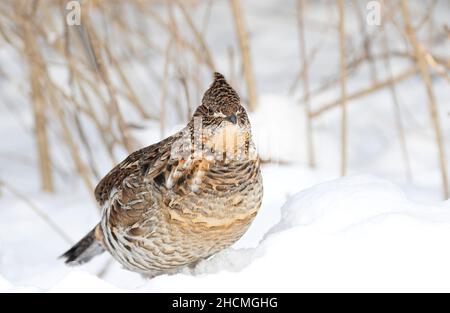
{"x":220,"y":92}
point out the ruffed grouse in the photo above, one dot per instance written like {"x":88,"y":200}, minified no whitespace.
{"x":183,"y":199}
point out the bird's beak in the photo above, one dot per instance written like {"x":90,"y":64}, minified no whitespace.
{"x":232,"y":118}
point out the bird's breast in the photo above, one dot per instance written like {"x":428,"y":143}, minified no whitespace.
{"x":225,"y":196}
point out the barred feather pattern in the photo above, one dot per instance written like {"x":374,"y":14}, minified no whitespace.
{"x":151,"y":229}
{"x":162,"y":212}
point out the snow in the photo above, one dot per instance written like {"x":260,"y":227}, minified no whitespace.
{"x":358,"y":233}
{"x":78,"y":281}
{"x":371,"y":231}
{"x":4,"y":284}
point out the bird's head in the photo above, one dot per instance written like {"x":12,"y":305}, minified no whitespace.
{"x":221,"y":105}
{"x":225,"y":124}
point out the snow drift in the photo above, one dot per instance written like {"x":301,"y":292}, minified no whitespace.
{"x":358,"y":233}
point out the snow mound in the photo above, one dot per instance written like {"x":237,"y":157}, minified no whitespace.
{"x":338,"y":204}
{"x":358,"y":233}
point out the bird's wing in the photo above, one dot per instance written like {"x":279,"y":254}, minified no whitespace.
{"x":149,"y":161}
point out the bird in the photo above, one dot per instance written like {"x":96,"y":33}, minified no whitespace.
{"x":175,"y":203}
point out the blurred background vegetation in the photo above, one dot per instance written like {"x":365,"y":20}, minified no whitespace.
{"x":131,"y":64}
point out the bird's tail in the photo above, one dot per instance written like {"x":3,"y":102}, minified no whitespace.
{"x":85,"y":249}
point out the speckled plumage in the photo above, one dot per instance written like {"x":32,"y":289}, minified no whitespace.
{"x":181,"y":200}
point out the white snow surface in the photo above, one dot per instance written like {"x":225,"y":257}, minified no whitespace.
{"x":371,"y":231}
{"x":359,"y":233}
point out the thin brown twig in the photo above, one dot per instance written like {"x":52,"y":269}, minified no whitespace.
{"x":366,"y":91}
{"x":420,"y":53}
{"x":54,"y":226}
{"x":397,"y":109}
{"x":367,"y":40}
{"x":305,"y":80}
{"x":93,"y":45}
{"x":245,"y":52}
{"x":198,"y":36}
{"x":343,"y":80}
{"x":162,"y":117}
{"x":39,"y":108}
